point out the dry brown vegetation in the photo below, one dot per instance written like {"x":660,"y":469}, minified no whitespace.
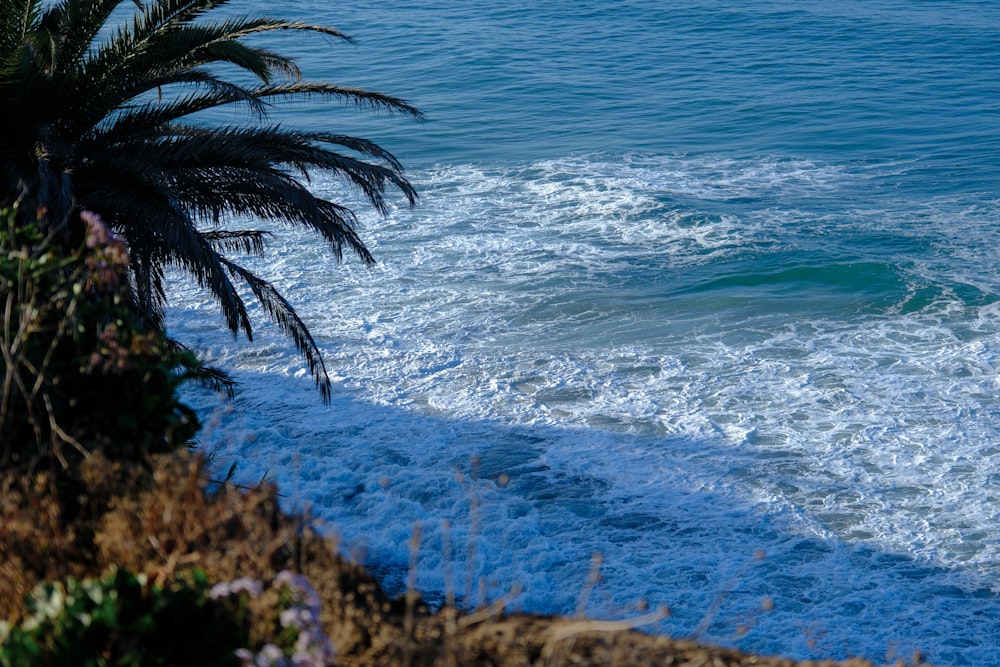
{"x":165,"y":518}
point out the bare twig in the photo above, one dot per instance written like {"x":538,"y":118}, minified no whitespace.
{"x":449,"y":588}
{"x":593,"y":578}
{"x":494,"y":609}
{"x":558,"y":637}
{"x":411,"y":594}
{"x":721,"y":596}
{"x":473,"y":530}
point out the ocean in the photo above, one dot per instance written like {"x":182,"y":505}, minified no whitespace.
{"x":700,"y":308}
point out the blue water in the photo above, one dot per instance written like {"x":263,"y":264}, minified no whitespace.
{"x":709,"y":290}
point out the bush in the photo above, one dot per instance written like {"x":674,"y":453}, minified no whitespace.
{"x":172,"y":520}
{"x":123,"y":621}
{"x":79,"y":372}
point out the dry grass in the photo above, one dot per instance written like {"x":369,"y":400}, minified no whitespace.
{"x":163,"y":519}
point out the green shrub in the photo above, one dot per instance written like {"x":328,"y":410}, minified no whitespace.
{"x":122,"y":621}
{"x":79,"y":372}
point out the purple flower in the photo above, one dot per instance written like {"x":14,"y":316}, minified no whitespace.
{"x":98,"y":234}
{"x":312,"y":647}
{"x":241,"y":585}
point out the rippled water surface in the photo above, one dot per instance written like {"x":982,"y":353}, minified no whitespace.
{"x":708,"y":290}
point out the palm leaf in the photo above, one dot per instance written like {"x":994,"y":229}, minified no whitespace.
{"x":285,"y":316}
{"x":16,"y":19}
{"x":99,"y":119}
{"x":215,"y":379}
{"x":248,"y":242}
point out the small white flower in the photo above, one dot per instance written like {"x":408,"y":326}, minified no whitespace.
{"x":220,"y":590}
{"x":291,"y":618}
{"x":247,"y":584}
{"x":270,"y":656}
{"x":241,"y":585}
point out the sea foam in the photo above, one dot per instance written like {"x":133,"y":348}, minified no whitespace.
{"x":736,"y":379}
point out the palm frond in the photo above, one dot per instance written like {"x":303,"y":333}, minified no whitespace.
{"x":159,"y":53}
{"x":243,"y":171}
{"x":159,"y":234}
{"x":278,"y":197}
{"x":79,"y":23}
{"x":246,"y":241}
{"x":211,"y":377}
{"x":220,"y":93}
{"x":163,"y":14}
{"x":149,"y":118}
{"x":104,"y":123}
{"x":282,"y":313}
{"x":16,"y":19}
{"x":365,"y":99}
{"x":264,"y":148}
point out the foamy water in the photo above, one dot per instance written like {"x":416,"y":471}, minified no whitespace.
{"x":709,"y":290}
{"x":700,"y":367}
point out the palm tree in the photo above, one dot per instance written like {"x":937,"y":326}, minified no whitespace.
{"x":102,"y":119}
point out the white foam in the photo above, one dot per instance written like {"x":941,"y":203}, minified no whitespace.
{"x":529,"y":316}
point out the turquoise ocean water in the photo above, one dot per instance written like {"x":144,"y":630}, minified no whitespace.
{"x":708,"y":288}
